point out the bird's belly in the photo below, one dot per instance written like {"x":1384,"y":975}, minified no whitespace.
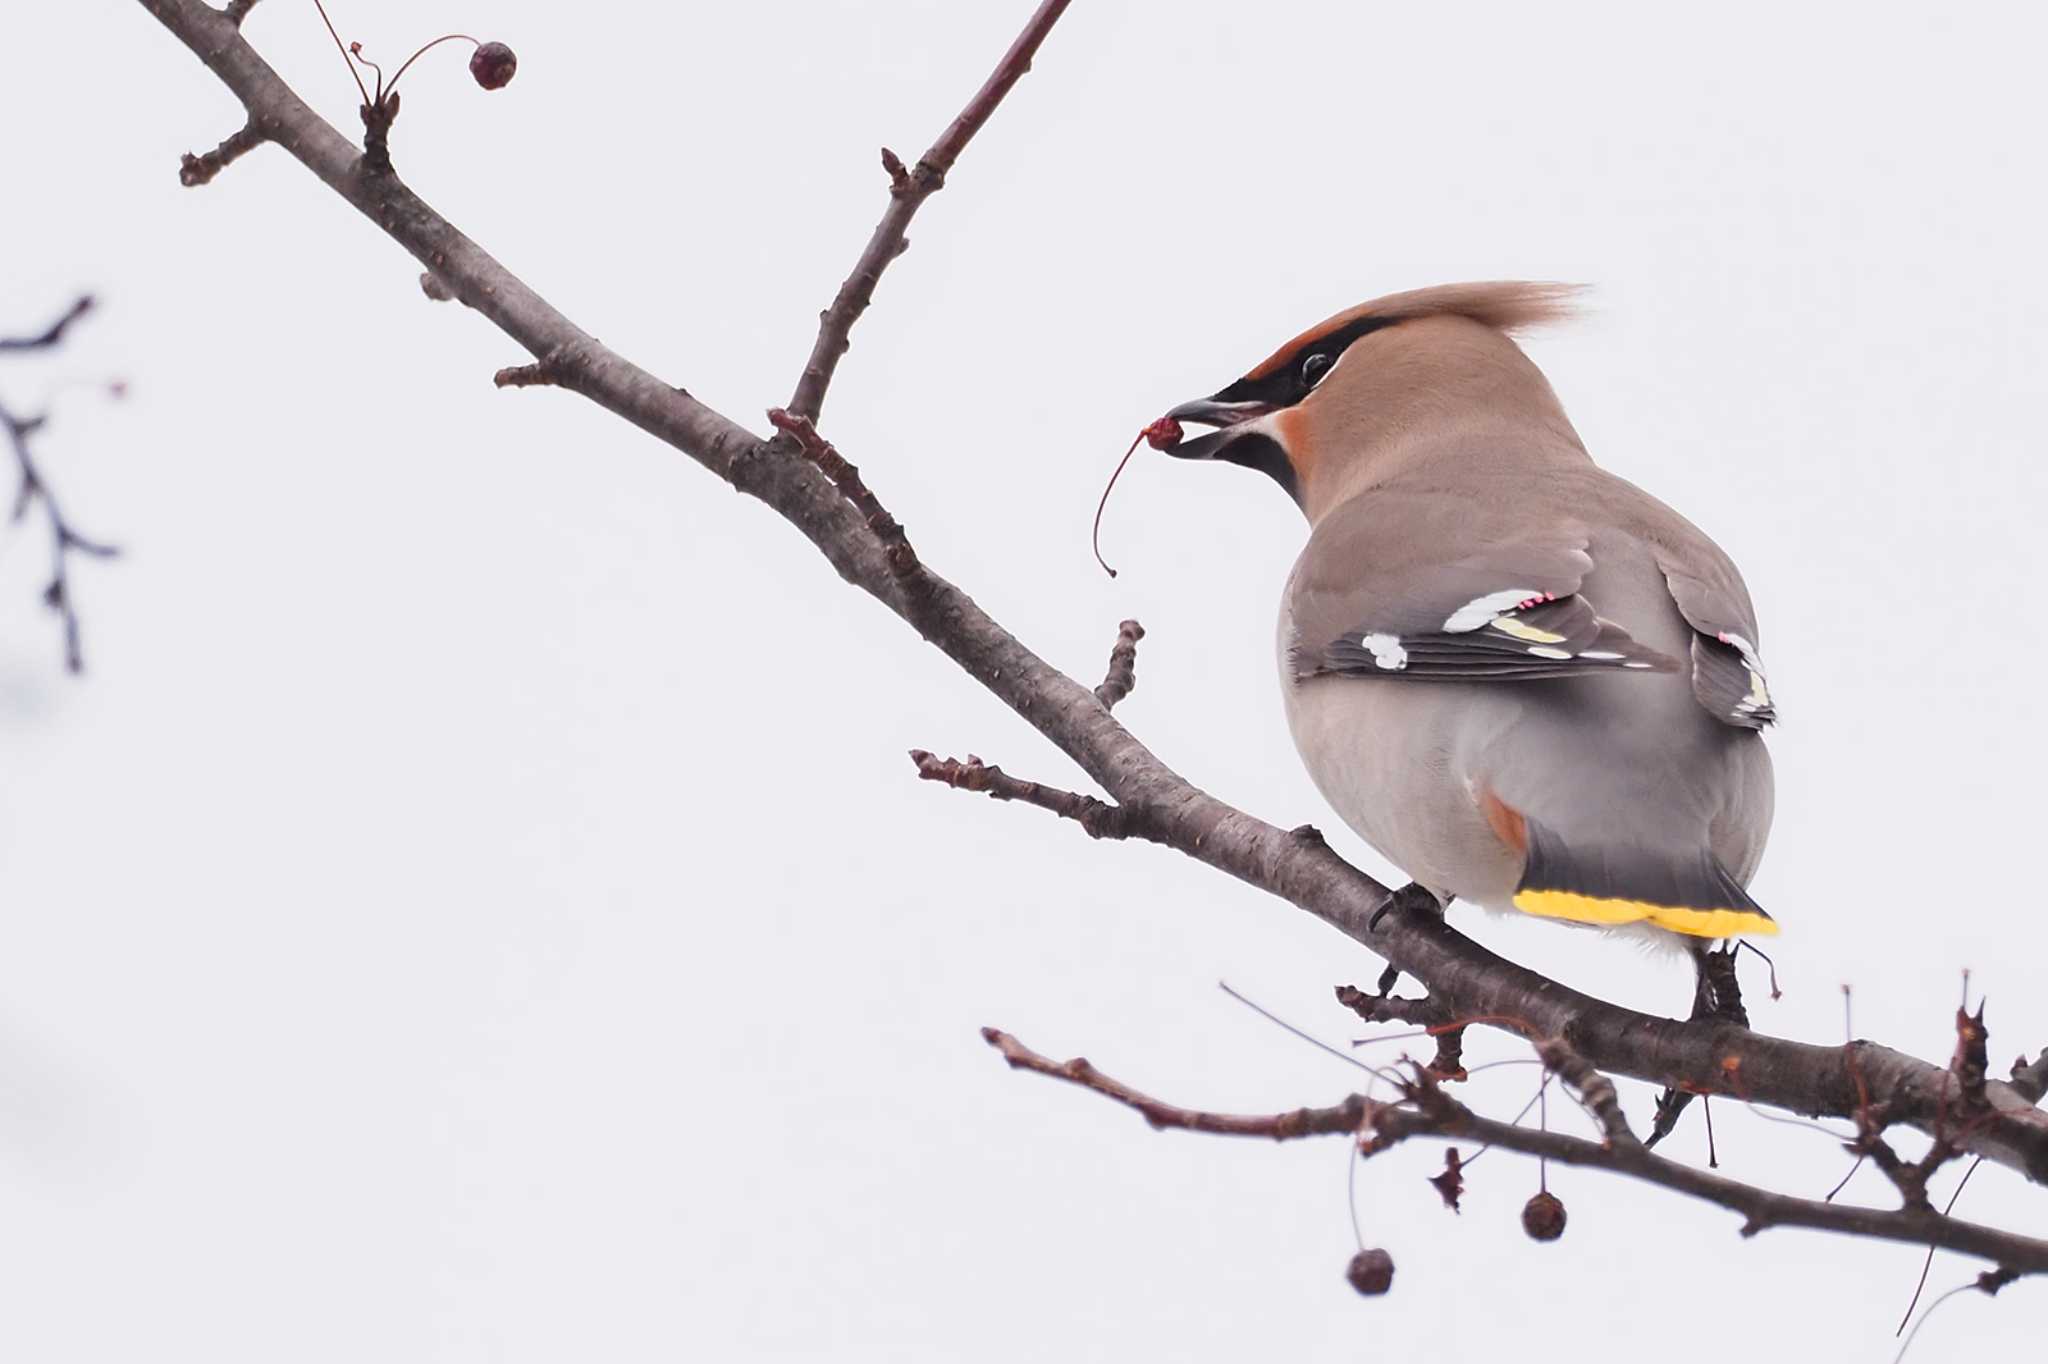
{"x":1384,"y":756}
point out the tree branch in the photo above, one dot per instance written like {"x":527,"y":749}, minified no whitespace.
{"x":908,"y":189}
{"x":1348,"y":1116}
{"x":54,"y":333}
{"x":1426,"y":1111}
{"x":1150,"y":799}
{"x":1422,"y":1013}
{"x":32,"y":490}
{"x":1100,"y":819}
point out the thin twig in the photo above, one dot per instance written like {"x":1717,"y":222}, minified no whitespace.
{"x":34,"y":490}
{"x":54,"y":333}
{"x":1344,"y":1117}
{"x":1987,"y":1283}
{"x":1099,"y":818}
{"x":1843,"y":1183}
{"x":1303,"y":1034}
{"x":1425,"y":1012}
{"x":907,"y":192}
{"x":1123,"y":665}
{"x":1928,"y":1263}
{"x":200,"y":170}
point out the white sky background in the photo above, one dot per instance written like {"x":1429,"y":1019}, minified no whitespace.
{"x":477,"y":907}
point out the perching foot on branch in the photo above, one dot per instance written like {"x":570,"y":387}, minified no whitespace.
{"x":1716,"y":997}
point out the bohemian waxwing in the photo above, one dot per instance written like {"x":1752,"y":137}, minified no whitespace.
{"x":1526,"y":682}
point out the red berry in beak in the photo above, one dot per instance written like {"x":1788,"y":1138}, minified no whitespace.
{"x":1163,"y":434}
{"x":493,"y":65}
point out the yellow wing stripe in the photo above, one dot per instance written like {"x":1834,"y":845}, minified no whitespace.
{"x":1594,"y":909}
{"x":1509,"y":625}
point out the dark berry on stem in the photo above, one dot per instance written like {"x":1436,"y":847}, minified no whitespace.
{"x":493,"y":65}
{"x":1543,"y":1217}
{"x":1371,"y":1272}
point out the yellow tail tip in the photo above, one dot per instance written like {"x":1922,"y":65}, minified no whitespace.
{"x":1595,"y":909}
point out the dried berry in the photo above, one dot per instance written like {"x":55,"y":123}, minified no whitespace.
{"x":1450,"y":1185}
{"x":1543,"y":1217}
{"x":493,"y":65}
{"x":1371,"y":1272}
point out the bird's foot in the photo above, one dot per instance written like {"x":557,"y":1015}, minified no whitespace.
{"x":1716,"y":997}
{"x":1717,"y":994}
{"x":1412,"y":897}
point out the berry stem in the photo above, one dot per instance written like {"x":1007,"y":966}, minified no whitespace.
{"x":444,"y":38}
{"x":356,"y":50}
{"x":342,"y":48}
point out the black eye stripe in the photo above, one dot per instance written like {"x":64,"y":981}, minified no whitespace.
{"x":1289,"y":383}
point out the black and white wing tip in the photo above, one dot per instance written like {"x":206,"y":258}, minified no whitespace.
{"x":1514,"y":633}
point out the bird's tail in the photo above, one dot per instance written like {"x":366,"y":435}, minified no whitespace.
{"x":1685,"y":892}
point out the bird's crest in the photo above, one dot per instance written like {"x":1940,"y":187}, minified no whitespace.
{"x":1511,"y":306}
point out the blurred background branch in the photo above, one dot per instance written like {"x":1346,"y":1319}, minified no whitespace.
{"x":33,"y":492}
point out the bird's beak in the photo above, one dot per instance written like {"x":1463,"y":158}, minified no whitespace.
{"x":1225,"y":417}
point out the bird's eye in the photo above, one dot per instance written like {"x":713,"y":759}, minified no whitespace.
{"x":1314,"y":368}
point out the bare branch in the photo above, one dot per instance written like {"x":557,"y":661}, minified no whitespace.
{"x":907,"y":192}
{"x":34,"y":490}
{"x":1100,"y":819}
{"x":199,"y":170}
{"x":434,"y":288}
{"x":1123,"y":665}
{"x":52,"y":334}
{"x":1421,"y":1013}
{"x":238,"y":10}
{"x":1347,"y":1116}
{"x":1426,"y":1111}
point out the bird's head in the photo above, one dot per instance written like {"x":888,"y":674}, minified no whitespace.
{"x":1327,"y":395}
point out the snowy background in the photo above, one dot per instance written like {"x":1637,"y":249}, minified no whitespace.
{"x":477,"y":907}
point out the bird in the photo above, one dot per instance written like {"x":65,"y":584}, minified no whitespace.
{"x":1527,"y":683}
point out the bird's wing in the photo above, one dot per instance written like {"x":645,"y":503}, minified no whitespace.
{"x":1727,"y":669}
{"x":1424,"y":585}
